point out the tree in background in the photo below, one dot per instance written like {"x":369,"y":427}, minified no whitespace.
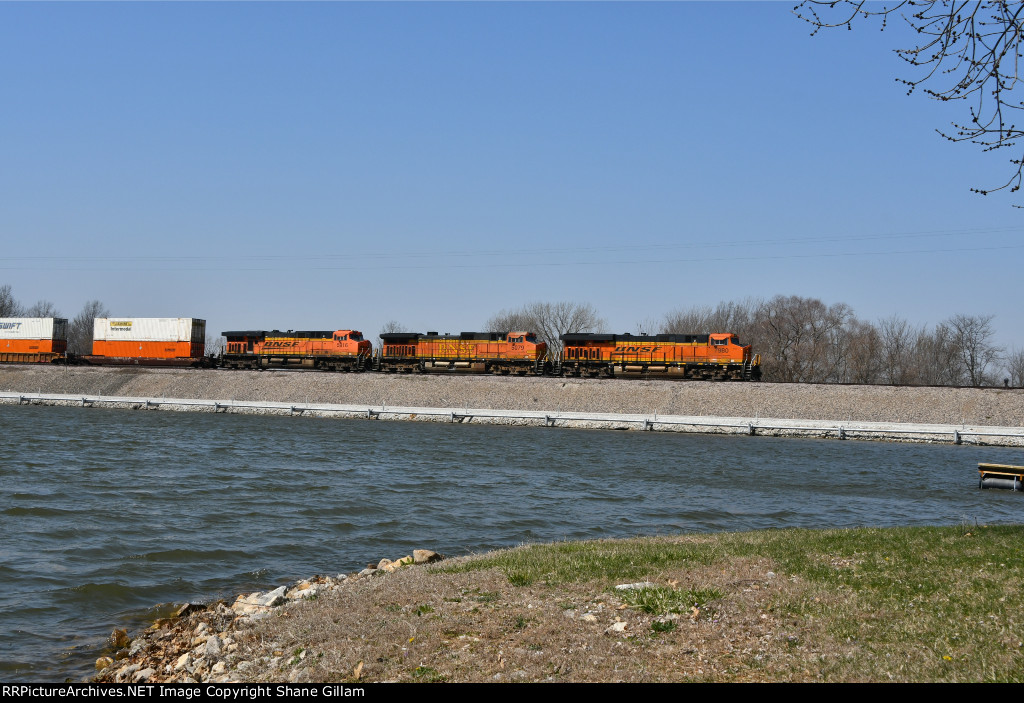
{"x":548,"y":321}
{"x":1015,"y":367}
{"x":648,"y":325}
{"x":44,"y":308}
{"x":962,"y":51}
{"x":861,"y":351}
{"x":80,"y":328}
{"x":935,"y":358}
{"x":389,"y":327}
{"x":9,"y":307}
{"x":805,"y":340}
{"x":897,"y":340}
{"x":214,"y":344}
{"x":797,"y":335}
{"x":737,"y":317}
{"x":976,"y":353}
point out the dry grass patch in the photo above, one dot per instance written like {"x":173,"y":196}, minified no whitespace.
{"x":858,"y":605}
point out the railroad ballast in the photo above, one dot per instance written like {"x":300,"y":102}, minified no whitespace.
{"x":181,"y":342}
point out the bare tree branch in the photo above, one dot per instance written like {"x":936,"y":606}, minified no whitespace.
{"x":965,"y":51}
{"x":9,"y":307}
{"x":80,"y":328}
{"x":44,"y":308}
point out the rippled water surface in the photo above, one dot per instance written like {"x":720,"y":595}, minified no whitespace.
{"x":107,"y":513}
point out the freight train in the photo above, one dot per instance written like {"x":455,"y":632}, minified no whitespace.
{"x":181,"y":342}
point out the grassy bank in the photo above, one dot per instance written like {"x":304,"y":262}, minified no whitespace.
{"x":908,"y":604}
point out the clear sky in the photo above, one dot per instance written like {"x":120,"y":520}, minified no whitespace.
{"x":339,"y":165}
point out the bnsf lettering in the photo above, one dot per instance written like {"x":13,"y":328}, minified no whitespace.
{"x":623,"y":349}
{"x":281,"y":345}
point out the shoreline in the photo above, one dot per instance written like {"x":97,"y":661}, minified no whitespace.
{"x":194,"y":644}
{"x":990,"y":435}
{"x":897,"y":413}
{"x":861,"y":604}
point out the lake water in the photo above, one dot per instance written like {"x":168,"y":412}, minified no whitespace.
{"x":104,"y":514}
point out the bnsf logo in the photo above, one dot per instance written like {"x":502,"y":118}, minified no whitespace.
{"x":9,"y":325}
{"x":280,"y":345}
{"x":623,"y":349}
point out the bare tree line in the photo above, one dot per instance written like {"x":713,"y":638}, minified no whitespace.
{"x":806,"y":340}
{"x":79,"y":327}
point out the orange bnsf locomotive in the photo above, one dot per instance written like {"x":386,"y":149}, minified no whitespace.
{"x":718,"y":357}
{"x":482,"y":352}
{"x":338,"y":350}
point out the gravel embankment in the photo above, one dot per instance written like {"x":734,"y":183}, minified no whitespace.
{"x":972,"y":406}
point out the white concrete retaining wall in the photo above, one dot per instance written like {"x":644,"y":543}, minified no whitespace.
{"x":888,"y":431}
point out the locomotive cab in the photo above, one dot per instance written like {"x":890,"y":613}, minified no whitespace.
{"x":351,"y":342}
{"x":525,"y":344}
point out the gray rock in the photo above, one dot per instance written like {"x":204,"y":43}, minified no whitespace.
{"x":213,"y":647}
{"x":126,"y":672}
{"x":272,"y":598}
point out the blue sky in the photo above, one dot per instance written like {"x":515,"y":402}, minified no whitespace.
{"x":330,"y":165}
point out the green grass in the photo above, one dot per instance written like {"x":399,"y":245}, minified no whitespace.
{"x":661,"y":600}
{"x":947,"y":593}
{"x":577,"y":562}
{"x":427,"y":674}
{"x":920,"y":603}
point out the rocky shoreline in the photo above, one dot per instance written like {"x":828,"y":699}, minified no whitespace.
{"x":199,"y":643}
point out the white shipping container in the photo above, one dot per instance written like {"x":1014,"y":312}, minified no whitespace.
{"x":148,"y":329}
{"x":51,"y":328}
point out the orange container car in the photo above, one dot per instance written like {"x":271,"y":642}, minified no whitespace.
{"x":338,"y":350}
{"x":148,"y":350}
{"x":33,"y":339}
{"x":481,"y":352}
{"x":148,"y":340}
{"x":701,"y":356}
